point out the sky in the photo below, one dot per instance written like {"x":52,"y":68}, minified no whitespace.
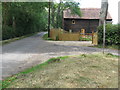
{"x":112,"y":8}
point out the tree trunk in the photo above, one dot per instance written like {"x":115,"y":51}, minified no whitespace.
{"x":58,"y":13}
{"x":13,"y":24}
{"x":49,"y":21}
{"x":53,"y":15}
{"x":4,"y":5}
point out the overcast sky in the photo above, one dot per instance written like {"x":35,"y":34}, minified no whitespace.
{"x":112,"y":8}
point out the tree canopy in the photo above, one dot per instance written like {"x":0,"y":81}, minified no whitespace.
{"x":22,"y":18}
{"x":57,"y":11}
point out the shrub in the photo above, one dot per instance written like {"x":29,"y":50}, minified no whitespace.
{"x":112,"y":34}
{"x":7,"y":32}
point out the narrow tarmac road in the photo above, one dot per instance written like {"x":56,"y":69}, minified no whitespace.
{"x":31,"y":51}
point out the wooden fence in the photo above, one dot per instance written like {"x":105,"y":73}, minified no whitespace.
{"x":69,"y":36}
{"x":60,"y":34}
{"x":54,"y":33}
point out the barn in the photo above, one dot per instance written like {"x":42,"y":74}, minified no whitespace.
{"x":89,"y":20}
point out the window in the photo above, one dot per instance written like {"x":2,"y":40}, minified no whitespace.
{"x":73,"y":21}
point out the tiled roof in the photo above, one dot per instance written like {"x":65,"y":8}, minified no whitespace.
{"x":87,"y":13}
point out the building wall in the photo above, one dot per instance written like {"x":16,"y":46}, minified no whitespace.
{"x":88,"y":25}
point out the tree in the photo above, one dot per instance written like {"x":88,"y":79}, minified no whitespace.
{"x":21,"y":18}
{"x":57,"y":12}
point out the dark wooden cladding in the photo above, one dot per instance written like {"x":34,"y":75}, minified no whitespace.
{"x":86,"y":24}
{"x":88,"y":21}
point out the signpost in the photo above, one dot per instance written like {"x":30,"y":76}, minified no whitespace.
{"x":103,"y":15}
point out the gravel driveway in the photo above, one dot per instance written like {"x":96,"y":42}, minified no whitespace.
{"x":30,"y":51}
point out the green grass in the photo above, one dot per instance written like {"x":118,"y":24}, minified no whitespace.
{"x":116,"y":47}
{"x":45,"y":37}
{"x":88,"y":38}
{"x":9,"y":80}
{"x":81,"y":71}
{"x":15,"y":39}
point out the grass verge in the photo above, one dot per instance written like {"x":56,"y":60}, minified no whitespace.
{"x":45,"y":37}
{"x":82,"y":71}
{"x":9,"y":80}
{"x":116,"y":47}
{"x":15,"y":39}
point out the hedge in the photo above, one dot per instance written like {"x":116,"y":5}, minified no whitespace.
{"x":112,"y":34}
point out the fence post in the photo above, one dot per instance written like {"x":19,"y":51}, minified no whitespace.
{"x":92,"y":36}
{"x":82,"y":32}
{"x":95,"y":38}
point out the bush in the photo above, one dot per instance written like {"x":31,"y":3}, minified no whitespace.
{"x":7,"y":32}
{"x":112,"y":34}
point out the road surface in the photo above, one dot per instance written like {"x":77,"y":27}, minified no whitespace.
{"x":30,"y":51}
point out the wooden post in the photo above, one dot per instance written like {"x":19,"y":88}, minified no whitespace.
{"x":92,"y":36}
